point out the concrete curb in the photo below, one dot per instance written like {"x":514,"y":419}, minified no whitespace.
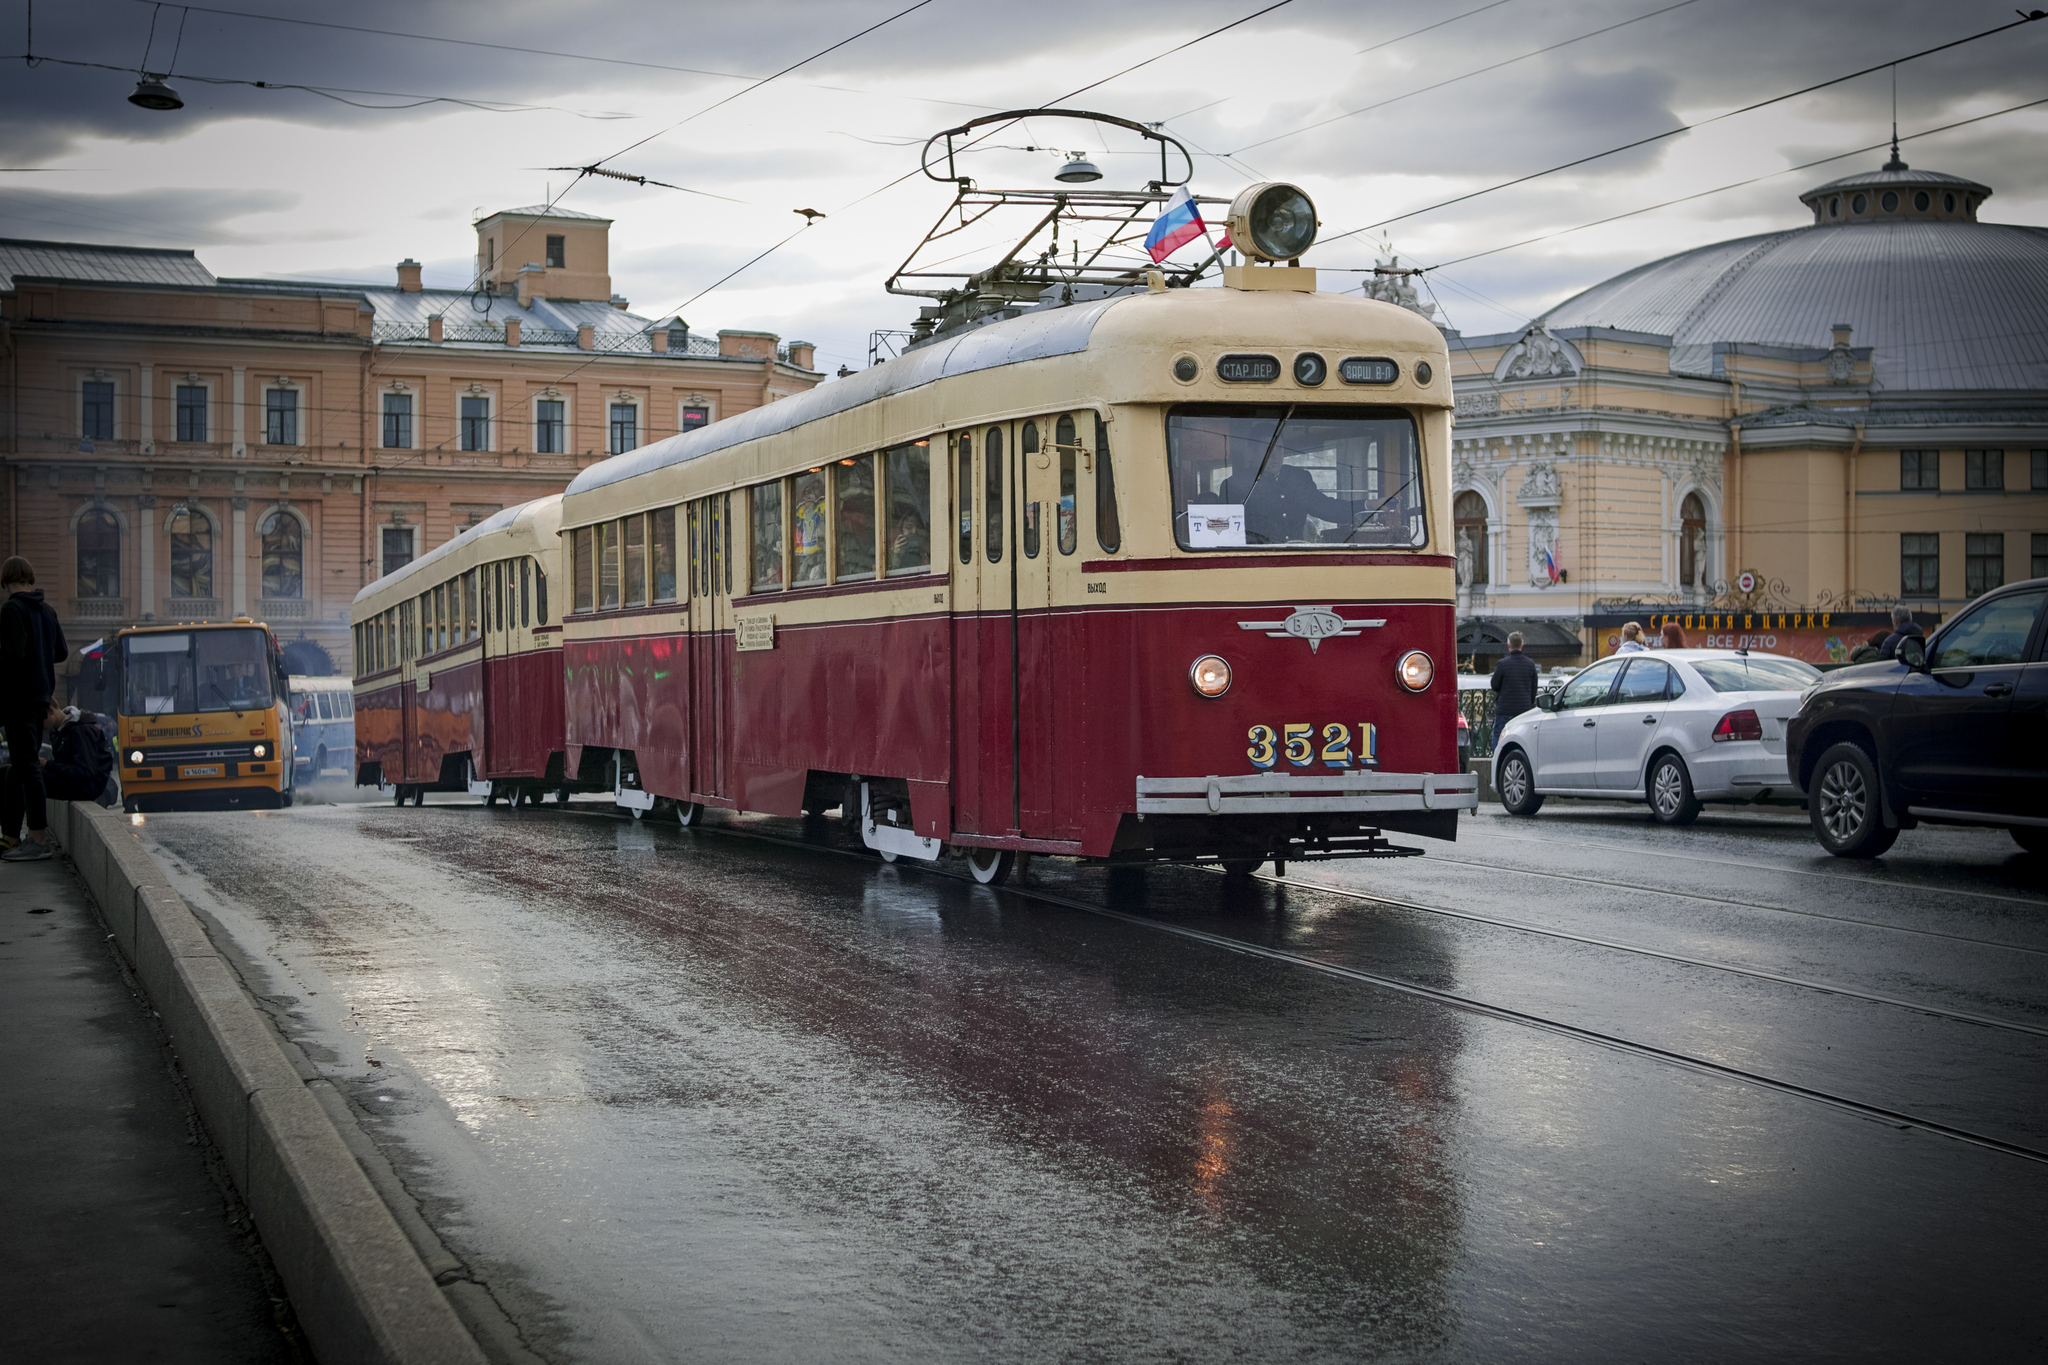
{"x":358,"y":1285}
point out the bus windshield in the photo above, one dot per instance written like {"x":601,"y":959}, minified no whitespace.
{"x":1295,"y":475}
{"x":179,"y":672}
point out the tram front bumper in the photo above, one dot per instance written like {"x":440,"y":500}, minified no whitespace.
{"x":1361,"y":793}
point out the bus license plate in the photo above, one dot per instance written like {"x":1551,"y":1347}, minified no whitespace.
{"x":209,"y":770}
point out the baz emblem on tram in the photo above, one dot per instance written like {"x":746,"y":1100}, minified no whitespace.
{"x":1313,"y":624}
{"x":1298,"y":743}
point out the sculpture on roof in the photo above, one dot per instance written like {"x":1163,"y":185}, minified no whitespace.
{"x":1538,"y":355}
{"x":1397,"y":289}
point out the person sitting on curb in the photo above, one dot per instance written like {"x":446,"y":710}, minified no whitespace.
{"x":31,"y":647}
{"x":81,"y":759}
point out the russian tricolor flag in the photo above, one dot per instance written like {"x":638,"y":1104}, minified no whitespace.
{"x":1179,"y":223}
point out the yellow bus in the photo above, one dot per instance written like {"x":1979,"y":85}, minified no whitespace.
{"x":202,"y":717}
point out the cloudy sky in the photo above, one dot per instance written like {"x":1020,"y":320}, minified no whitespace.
{"x":267,"y":181}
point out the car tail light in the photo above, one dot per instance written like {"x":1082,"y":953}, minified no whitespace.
{"x":1738,"y":725}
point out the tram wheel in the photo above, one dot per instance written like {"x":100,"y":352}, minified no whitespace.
{"x":398,"y":794}
{"x":689,"y":813}
{"x":491,"y":797}
{"x":1240,"y":869}
{"x":562,"y":796}
{"x":419,"y":795}
{"x":990,"y":866}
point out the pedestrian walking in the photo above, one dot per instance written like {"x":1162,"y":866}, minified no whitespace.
{"x":31,"y":647}
{"x":1904,"y":627}
{"x":1674,"y":638}
{"x":1514,"y":684}
{"x":1631,"y":639}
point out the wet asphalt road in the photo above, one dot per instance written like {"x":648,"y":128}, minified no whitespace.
{"x":693,"y":1095}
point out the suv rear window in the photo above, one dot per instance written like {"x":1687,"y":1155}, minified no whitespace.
{"x":1756,"y":673}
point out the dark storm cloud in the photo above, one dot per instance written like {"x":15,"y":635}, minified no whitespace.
{"x":172,"y":218}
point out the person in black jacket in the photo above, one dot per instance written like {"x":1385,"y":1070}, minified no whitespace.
{"x":31,"y":647}
{"x":1514,"y":684}
{"x":1904,"y":627}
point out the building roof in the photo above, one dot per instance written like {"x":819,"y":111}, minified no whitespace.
{"x":1944,"y":304}
{"x":110,"y":264}
{"x":543,"y":211}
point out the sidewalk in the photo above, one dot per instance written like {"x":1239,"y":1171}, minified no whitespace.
{"x":115,"y":1237}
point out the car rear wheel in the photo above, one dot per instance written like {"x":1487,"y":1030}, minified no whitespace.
{"x":1671,"y":798}
{"x":1844,"y":807}
{"x":2032,"y":838}
{"x":1516,"y":783}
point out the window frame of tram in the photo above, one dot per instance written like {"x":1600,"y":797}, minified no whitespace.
{"x":857,"y":519}
{"x":985,"y":480}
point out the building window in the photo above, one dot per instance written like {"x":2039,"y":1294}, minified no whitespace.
{"x":1984,"y":469}
{"x":398,"y":421}
{"x":547,"y":426}
{"x":1468,"y":515}
{"x":2039,"y":568}
{"x":96,"y":413}
{"x":397,"y":548}
{"x":284,"y":556}
{"x":1692,"y":541}
{"x":476,"y":424}
{"x":625,"y":428}
{"x":557,"y":256}
{"x":99,"y":554}
{"x":696,"y":415}
{"x":191,"y":412}
{"x":1919,"y":469}
{"x":1983,"y":562}
{"x":281,"y":417}
{"x":1919,"y":564}
{"x":191,"y":555}
{"x":2040,"y":469}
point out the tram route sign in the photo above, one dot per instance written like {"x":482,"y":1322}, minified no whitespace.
{"x":1313,"y":624}
{"x":753,"y":632}
{"x":1248,"y":369}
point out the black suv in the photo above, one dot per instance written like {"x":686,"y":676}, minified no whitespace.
{"x":1956,"y":730}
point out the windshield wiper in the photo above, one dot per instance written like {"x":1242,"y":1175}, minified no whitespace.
{"x":224,"y":697}
{"x":1278,"y":427}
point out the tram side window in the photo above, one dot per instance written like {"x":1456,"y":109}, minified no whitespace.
{"x":765,"y":510}
{"x":607,"y":565}
{"x":579,"y":571}
{"x":437,"y":611}
{"x":965,"y":487}
{"x":1069,"y":516}
{"x":472,"y":617}
{"x":807,"y":528}
{"x":540,"y":595}
{"x":907,"y":480}
{"x":634,"y":538}
{"x":992,"y":494}
{"x":693,"y":527}
{"x":1109,"y":532}
{"x":662,"y":553}
{"x":525,"y":592}
{"x":1027,"y":446}
{"x":853,"y":520}
{"x":721,"y":548}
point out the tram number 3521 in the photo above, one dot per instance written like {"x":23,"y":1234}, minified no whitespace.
{"x":1303,"y":743}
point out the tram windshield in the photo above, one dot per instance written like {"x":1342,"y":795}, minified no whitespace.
{"x":1294,"y":475}
{"x":179,"y":672}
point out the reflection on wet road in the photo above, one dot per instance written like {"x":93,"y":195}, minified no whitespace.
{"x":691,"y":1094}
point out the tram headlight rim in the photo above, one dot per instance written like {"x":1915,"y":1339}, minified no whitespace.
{"x":1405,"y":671}
{"x":1258,"y":246}
{"x":1195,"y":676}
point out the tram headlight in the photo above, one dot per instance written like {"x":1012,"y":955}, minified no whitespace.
{"x":261,"y":751}
{"x":1273,"y":221}
{"x":1415,"y":671}
{"x":135,"y":757}
{"x":1209,"y":676}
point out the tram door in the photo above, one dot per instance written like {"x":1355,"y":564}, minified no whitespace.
{"x":709,"y":534}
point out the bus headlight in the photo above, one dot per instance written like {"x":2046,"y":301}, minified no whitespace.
{"x":135,"y":757}
{"x":1210,"y":676}
{"x":1415,"y":671}
{"x":261,"y":751}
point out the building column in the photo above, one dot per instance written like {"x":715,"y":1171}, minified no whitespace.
{"x":239,"y":405}
{"x":241,"y":553}
{"x":146,"y":407}
{"x":145,"y":549}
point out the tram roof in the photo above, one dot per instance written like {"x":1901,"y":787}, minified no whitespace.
{"x":501,"y":520}
{"x":1034,"y":336}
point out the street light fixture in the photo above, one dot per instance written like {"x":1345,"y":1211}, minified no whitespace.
{"x":151,"y":93}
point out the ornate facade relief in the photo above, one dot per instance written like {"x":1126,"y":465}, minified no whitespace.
{"x":1538,"y":355}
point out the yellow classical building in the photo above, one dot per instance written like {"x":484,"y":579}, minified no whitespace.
{"x":1836,"y":418}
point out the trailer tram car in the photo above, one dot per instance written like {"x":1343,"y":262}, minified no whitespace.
{"x":1162,"y":576}
{"x":458,"y":681}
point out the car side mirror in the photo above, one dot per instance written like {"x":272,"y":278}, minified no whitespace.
{"x":1546,"y":701}
{"x":1913,"y":653}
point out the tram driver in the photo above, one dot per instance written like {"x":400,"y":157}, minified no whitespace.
{"x":1278,"y":504}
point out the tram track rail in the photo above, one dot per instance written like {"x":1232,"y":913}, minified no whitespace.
{"x":1894,"y":1118}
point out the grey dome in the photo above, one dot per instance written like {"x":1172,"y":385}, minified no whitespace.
{"x":1944,"y":302}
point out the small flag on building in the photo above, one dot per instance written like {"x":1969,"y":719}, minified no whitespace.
{"x":1550,"y":567}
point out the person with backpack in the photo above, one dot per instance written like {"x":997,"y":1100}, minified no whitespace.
{"x":81,"y":758}
{"x":31,"y":647}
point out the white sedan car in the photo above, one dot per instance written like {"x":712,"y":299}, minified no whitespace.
{"x":1672,"y":727}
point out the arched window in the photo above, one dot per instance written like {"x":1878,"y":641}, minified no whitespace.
{"x":1692,"y":541}
{"x":284,"y":556}
{"x":191,"y":555}
{"x":99,"y":554}
{"x":1468,"y":517}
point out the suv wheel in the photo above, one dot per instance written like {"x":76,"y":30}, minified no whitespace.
{"x":1671,"y":798}
{"x":1516,"y":783}
{"x":1843,"y":804}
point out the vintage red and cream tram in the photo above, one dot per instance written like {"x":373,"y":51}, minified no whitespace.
{"x":1165,"y":575}
{"x":459,"y":665}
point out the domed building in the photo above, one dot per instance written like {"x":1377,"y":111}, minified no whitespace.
{"x":1819,"y":423}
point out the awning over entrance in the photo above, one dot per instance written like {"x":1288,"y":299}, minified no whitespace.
{"x":1542,"y":637}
